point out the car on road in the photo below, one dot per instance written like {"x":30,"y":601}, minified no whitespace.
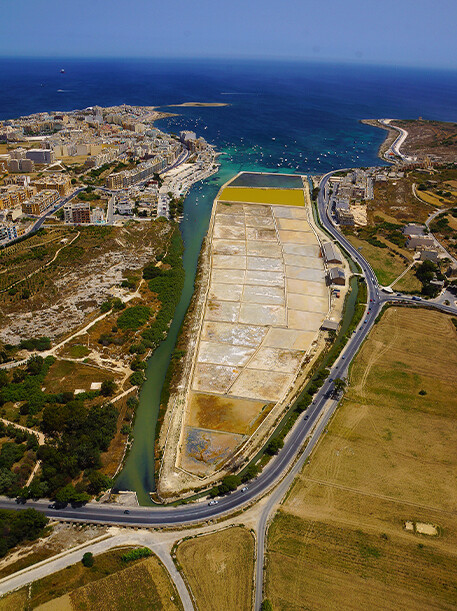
{"x":244,"y":489}
{"x":213,"y":502}
{"x":127,"y":511}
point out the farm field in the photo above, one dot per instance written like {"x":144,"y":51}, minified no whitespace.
{"x":109,"y":584}
{"x":257,"y":195}
{"x":219,"y":569}
{"x":351,"y":531}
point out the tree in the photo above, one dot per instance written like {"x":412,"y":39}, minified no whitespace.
{"x":339,"y":385}
{"x":88,"y":559}
{"x":98,"y":482}
{"x":274,"y":445}
{"x":266,"y":605}
{"x":108,"y":388}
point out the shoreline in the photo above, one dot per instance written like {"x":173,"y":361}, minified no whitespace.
{"x":390,"y":138}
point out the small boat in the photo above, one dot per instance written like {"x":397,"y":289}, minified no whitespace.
{"x":62,"y":71}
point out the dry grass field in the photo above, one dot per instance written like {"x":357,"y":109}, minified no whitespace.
{"x":256,"y":195}
{"x":386,"y":264}
{"x":339,"y":540}
{"x":109,"y":584}
{"x":409,"y":282}
{"x":219,"y":569}
{"x":68,"y":375}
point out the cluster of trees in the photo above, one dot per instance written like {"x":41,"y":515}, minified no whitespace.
{"x":167,"y":284}
{"x":176,"y":208}
{"x":76,"y":436}
{"x":38,"y":343}
{"x":426,"y":272}
{"x":134,"y":318}
{"x":18,"y":526}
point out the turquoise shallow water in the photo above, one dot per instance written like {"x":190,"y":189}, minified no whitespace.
{"x":288,"y":117}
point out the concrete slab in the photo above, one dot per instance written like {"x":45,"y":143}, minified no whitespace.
{"x":229,"y":261}
{"x":264,"y":263}
{"x":213,"y":378}
{"x":254,"y":313}
{"x":289,"y":212}
{"x":257,"y":210}
{"x":233,"y":333}
{"x":256,"y":384}
{"x":272,"y":295}
{"x":305,"y":250}
{"x":228,"y":247}
{"x":298,"y":261}
{"x":225,"y":292}
{"x":306,"y":287}
{"x":254,"y":233}
{"x":297,"y":237}
{"x":307,"y":303}
{"x":266,"y":222}
{"x":229,"y":276}
{"x":263,"y":249}
{"x":276,"y":359}
{"x":265,"y":278}
{"x":227,"y":208}
{"x":305,"y":273}
{"x":224,"y":354}
{"x":289,"y":339}
{"x":293,"y":224}
{"x":229,"y":219}
{"x":229,"y":232}
{"x":227,"y":311}
{"x":304,"y":321}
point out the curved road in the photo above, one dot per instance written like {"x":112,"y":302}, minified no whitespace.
{"x":272,"y":474}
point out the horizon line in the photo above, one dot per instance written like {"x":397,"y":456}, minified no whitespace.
{"x":241,"y":59}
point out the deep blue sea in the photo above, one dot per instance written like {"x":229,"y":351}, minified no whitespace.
{"x":281,"y":117}
{"x":302,"y":116}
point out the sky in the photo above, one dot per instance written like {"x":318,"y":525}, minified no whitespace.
{"x":402,"y":32}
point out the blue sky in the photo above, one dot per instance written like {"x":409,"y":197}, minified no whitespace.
{"x":404,"y":32}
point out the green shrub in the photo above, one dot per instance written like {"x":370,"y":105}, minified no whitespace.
{"x":88,"y":559}
{"x":134,"y":318}
{"x":136,"y":554}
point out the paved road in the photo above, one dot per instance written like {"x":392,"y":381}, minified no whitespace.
{"x":52,"y":210}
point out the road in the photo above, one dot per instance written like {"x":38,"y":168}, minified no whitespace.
{"x":52,"y":210}
{"x":395,"y":146}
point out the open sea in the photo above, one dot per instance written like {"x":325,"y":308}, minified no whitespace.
{"x":288,"y":117}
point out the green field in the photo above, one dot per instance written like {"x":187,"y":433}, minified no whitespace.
{"x":284,"y":197}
